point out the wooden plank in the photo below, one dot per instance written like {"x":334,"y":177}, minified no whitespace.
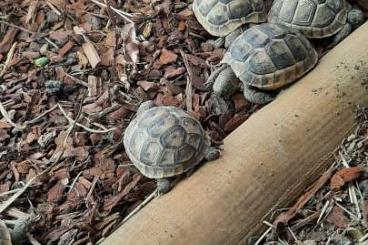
{"x":266,"y":163}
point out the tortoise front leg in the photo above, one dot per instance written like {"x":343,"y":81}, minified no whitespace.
{"x":163,"y":186}
{"x":223,"y":81}
{"x":256,"y":96}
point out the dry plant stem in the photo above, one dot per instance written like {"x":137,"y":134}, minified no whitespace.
{"x":140,"y":206}
{"x":17,"y":27}
{"x":35,"y":120}
{"x":7,"y":118}
{"x":53,"y":8}
{"x":95,"y":179}
{"x":8,"y":59}
{"x":260,"y":239}
{"x":121,"y":13}
{"x":81,"y":125}
{"x":189,"y":88}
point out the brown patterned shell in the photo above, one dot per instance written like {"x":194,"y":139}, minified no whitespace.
{"x":5,"y":238}
{"x":165,"y":141}
{"x":313,"y":18}
{"x":221,"y":17}
{"x":270,"y":56}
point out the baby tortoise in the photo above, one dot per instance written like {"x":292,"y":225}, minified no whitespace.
{"x":264,"y":58}
{"x":224,"y":17}
{"x":166,"y":141}
{"x":317,"y":19}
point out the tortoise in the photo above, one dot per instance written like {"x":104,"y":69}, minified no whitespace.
{"x":264,"y":58}
{"x":223,"y":17}
{"x":5,"y":238}
{"x":164,"y":142}
{"x":317,"y":19}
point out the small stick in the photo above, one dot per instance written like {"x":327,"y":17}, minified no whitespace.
{"x":41,"y":115}
{"x":8,"y":59}
{"x":324,"y":208}
{"x":81,"y":125}
{"x":140,"y":206}
{"x":17,"y":27}
{"x":123,"y":14}
{"x":7,"y":118}
{"x":188,"y":89}
{"x":263,"y":236}
{"x":53,"y":8}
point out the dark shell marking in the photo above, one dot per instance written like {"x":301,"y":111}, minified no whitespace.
{"x":221,"y":17}
{"x":270,"y":56}
{"x":165,"y":141}
{"x":313,"y":18}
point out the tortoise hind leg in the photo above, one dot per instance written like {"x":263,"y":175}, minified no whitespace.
{"x":355,"y":19}
{"x":256,"y":96}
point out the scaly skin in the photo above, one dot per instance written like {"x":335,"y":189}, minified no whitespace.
{"x":224,"y":83}
{"x":355,"y":19}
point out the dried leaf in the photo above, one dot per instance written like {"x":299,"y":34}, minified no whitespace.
{"x":283,"y":219}
{"x":167,"y":57}
{"x":148,"y":86}
{"x":345,"y":175}
{"x":338,"y":218}
{"x":8,"y":40}
{"x":171,"y":72}
{"x":55,"y":193}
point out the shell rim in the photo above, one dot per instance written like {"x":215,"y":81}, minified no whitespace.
{"x":228,"y":27}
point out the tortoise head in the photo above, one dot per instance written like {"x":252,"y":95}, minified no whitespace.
{"x":145,"y":106}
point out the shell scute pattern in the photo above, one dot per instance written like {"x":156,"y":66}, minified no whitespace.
{"x":174,"y":137}
{"x":221,"y":17}
{"x":271,"y":56}
{"x":324,"y":16}
{"x":297,"y":48}
{"x":160,"y":123}
{"x":313,"y":18}
{"x":167,"y":143}
{"x":304,"y":13}
{"x":150,"y":152}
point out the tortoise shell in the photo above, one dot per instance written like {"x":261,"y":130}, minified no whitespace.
{"x":270,"y":56}
{"x":313,"y":18}
{"x":165,"y":141}
{"x":5,"y":238}
{"x":221,"y":17}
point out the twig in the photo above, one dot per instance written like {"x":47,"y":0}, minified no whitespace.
{"x":94,"y":182}
{"x":140,"y":206}
{"x":17,"y":27}
{"x":8,"y":59}
{"x":52,"y":43}
{"x":41,"y":115}
{"x":324,"y":208}
{"x":188,"y":89}
{"x":121,"y":13}
{"x":74,"y":182}
{"x":260,"y":239}
{"x":81,"y":125}
{"x":53,"y":8}
{"x":7,"y":118}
